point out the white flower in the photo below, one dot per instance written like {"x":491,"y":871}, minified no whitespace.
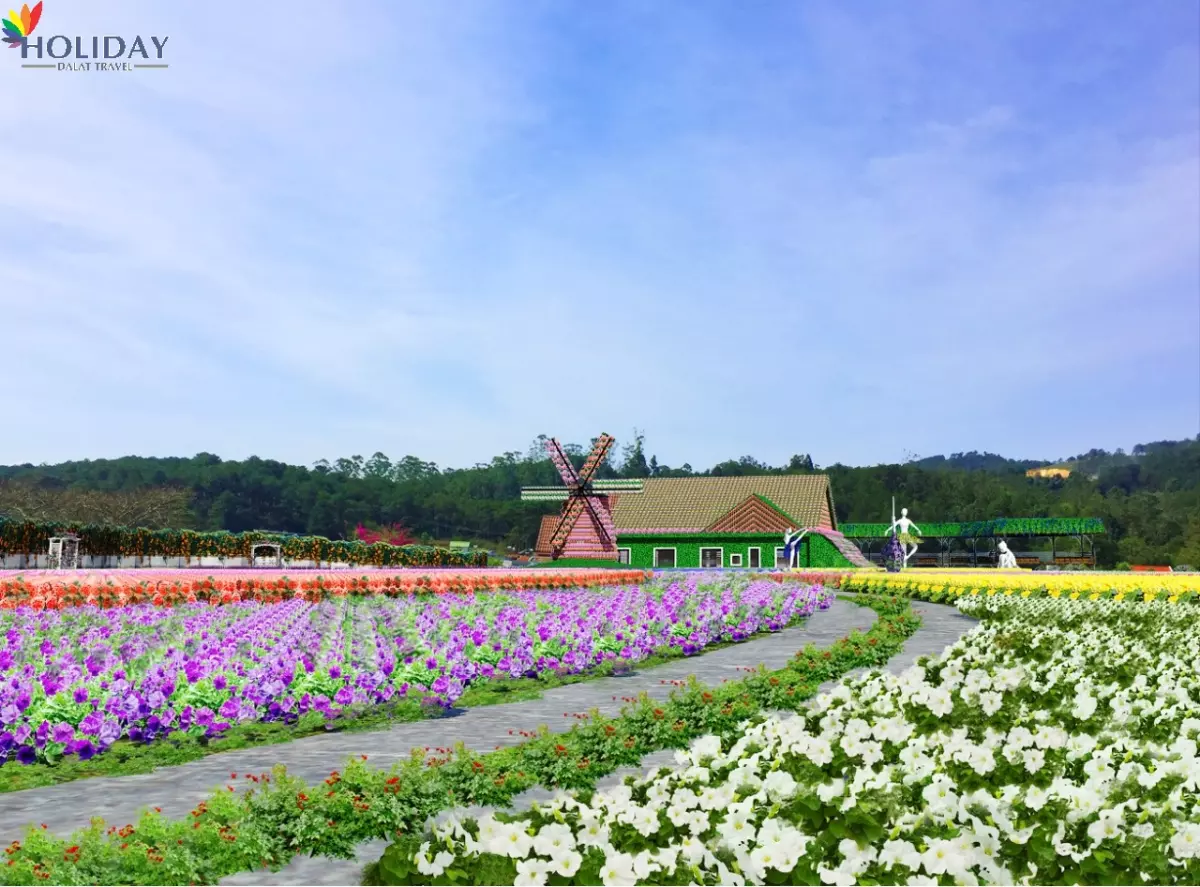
{"x":435,"y":866}
{"x":705,"y":747}
{"x":779,"y":784}
{"x":617,"y":870}
{"x":514,"y":841}
{"x":736,"y":830}
{"x":939,"y":701}
{"x":1035,"y":797}
{"x":531,"y":872}
{"x":553,"y":839}
{"x":593,"y":833}
{"x":1085,"y":706}
{"x":691,"y":849}
{"x":991,"y":702}
{"x":941,"y":858}
{"x":1034,"y":759}
{"x":1185,"y":843}
{"x":857,"y":858}
{"x":566,"y":863}
{"x":900,"y":853}
{"x":771,"y":857}
{"x":827,"y":791}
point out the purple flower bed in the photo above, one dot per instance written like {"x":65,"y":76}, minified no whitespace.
{"x":74,"y":681}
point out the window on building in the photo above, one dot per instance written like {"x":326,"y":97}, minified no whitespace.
{"x":755,"y":558}
{"x":735,"y":560}
{"x":710,"y":557}
{"x":664,"y":558}
{"x":781,"y":557}
{"x":622,"y":555}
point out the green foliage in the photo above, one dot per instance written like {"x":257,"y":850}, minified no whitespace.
{"x":1148,"y":500}
{"x":29,"y":537}
{"x":1003,"y":526}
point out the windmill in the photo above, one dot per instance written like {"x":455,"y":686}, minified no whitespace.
{"x":585,"y":526}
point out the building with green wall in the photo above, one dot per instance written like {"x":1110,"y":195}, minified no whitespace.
{"x":718,"y":522}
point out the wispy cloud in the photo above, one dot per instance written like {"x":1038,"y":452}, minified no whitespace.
{"x":441,"y":231}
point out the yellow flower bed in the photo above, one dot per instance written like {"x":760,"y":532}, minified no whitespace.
{"x":941,"y":584}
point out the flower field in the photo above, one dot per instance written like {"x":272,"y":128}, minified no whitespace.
{"x":1056,"y":743}
{"x":75,"y":679}
{"x":52,"y":590}
{"x":941,"y":585}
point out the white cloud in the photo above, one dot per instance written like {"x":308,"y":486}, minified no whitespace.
{"x":443,"y":231}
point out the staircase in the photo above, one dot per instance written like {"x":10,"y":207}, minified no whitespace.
{"x":848,"y":549}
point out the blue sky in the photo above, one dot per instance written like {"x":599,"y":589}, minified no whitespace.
{"x":853,"y":230}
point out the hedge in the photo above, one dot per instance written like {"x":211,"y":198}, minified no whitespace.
{"x":33,"y":537}
{"x":1001,"y":526}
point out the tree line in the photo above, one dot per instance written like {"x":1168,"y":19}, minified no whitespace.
{"x":1148,"y":498}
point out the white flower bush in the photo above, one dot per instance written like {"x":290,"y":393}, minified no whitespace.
{"x":1055,"y":743}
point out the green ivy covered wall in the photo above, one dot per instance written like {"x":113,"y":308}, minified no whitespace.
{"x":815,"y":550}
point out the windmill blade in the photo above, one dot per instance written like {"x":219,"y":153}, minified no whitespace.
{"x":596,"y":458}
{"x":544,"y":494}
{"x":565,"y":469}
{"x":566,"y":523}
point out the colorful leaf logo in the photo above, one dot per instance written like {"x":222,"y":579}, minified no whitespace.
{"x":17,"y":27}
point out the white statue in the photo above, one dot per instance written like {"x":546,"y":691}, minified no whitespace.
{"x":901,"y":528}
{"x":1008,"y":560}
{"x":791,"y":546}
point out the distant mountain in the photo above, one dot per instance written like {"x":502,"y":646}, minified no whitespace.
{"x":974,"y":461}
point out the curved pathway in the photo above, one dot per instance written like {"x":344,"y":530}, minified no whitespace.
{"x":178,"y":789}
{"x":941,"y":626}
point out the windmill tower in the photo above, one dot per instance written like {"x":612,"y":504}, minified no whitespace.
{"x":585,"y":526}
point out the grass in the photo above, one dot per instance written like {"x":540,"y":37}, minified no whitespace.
{"x":126,"y":758}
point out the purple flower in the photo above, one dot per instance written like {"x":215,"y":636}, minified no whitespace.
{"x":27,"y":754}
{"x":63,"y":733}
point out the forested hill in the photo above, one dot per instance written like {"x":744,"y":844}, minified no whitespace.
{"x":1148,"y":498}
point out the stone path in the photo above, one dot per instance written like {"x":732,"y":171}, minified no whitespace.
{"x":941,"y":626}
{"x":178,"y":789}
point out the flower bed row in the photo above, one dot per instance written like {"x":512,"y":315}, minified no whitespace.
{"x":170,"y":588}
{"x":73,"y":682}
{"x":279,"y":816}
{"x":1056,"y":744}
{"x":939,"y":585}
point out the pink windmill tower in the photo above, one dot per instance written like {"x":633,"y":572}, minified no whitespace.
{"x":584,"y":528}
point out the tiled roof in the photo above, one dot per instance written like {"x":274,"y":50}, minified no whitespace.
{"x":549,"y":522}
{"x":754,"y":515}
{"x":690,"y":504}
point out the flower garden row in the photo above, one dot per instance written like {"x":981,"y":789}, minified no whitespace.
{"x":32,"y":537}
{"x":74,"y":681}
{"x":938,"y":585}
{"x":168,"y":588}
{"x":279,"y":817}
